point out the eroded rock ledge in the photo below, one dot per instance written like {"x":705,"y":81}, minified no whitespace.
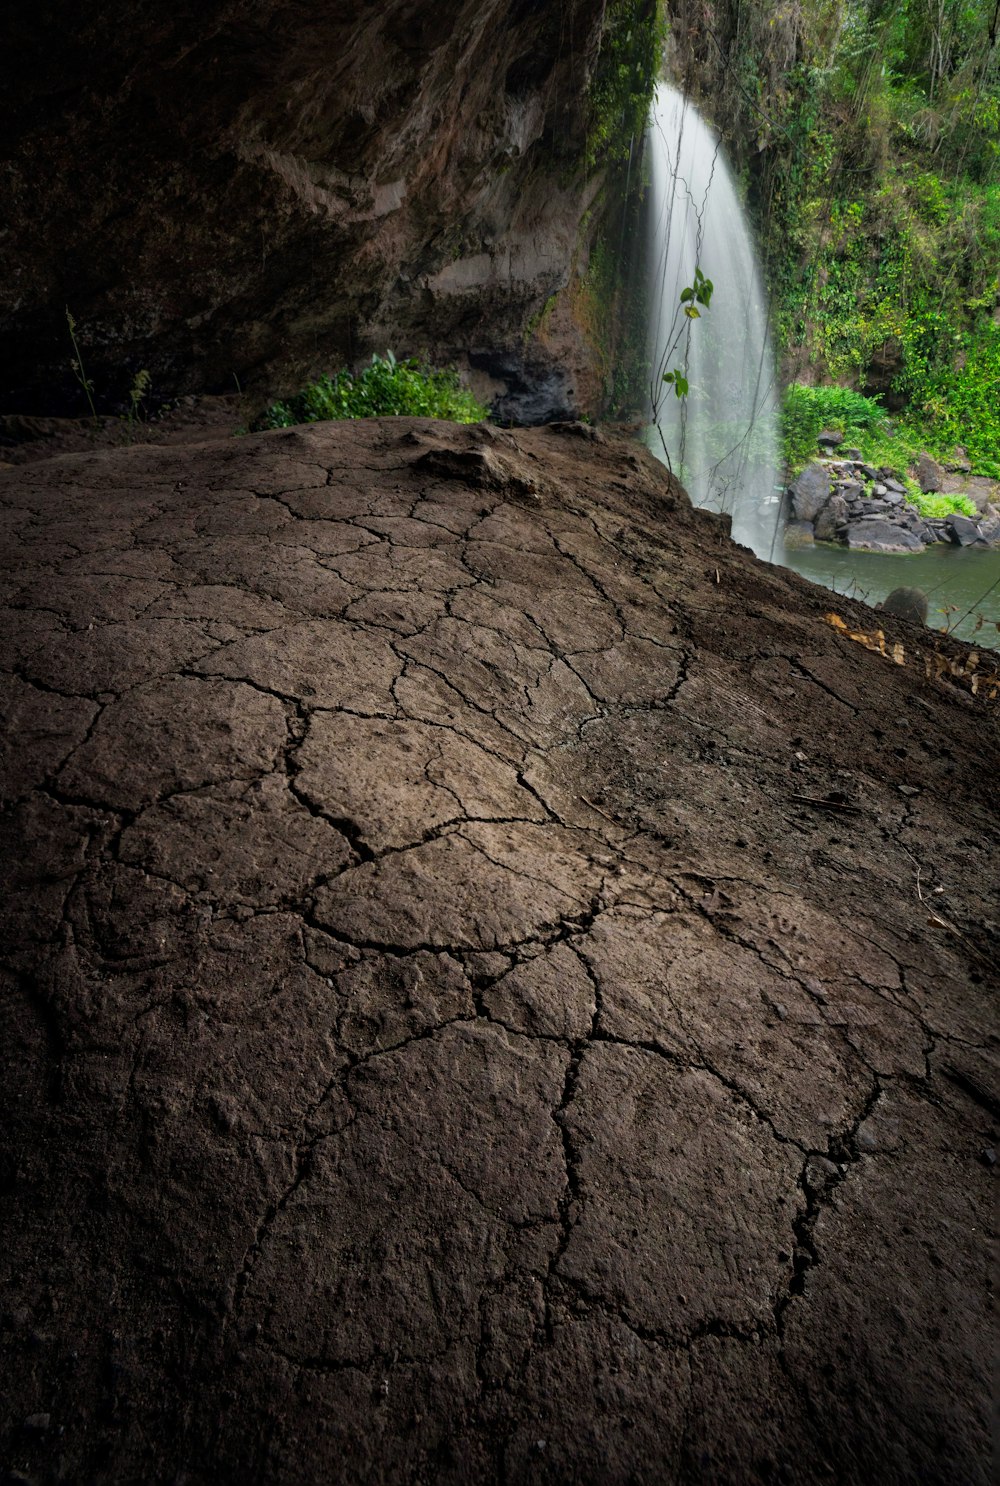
{"x":461,"y":1019}
{"x":241,"y":194}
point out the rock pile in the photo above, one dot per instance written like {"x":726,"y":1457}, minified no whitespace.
{"x":843,"y":499}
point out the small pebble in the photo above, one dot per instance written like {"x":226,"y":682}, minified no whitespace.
{"x":38,"y":1421}
{"x":989,"y":1156}
{"x":908,"y":789}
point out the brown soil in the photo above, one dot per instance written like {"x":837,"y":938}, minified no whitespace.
{"x":495,"y":987}
{"x":25,"y":439}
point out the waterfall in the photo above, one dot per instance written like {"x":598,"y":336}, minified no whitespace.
{"x":720,"y":439}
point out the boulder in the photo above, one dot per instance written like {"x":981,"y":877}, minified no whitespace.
{"x":962,"y":530}
{"x":799,"y":534}
{"x":830,"y":438}
{"x":907,"y":603}
{"x":810,"y":492}
{"x":911,"y":520}
{"x":989,"y":527}
{"x":375,"y":1092}
{"x":873,"y":534}
{"x":894,"y":486}
{"x":928,"y":473}
{"x":832,"y":519}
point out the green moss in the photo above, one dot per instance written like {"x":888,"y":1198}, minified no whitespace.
{"x":537,"y":323}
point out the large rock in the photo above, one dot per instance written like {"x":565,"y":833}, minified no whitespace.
{"x":799,"y":534}
{"x":989,"y":527}
{"x":832,"y":519}
{"x":962,"y":530}
{"x":874,"y":535}
{"x":810,"y":492}
{"x":928,"y":473}
{"x":440,"y":1040}
{"x":980,"y":489}
{"x":850,"y":489}
{"x":230,"y":194}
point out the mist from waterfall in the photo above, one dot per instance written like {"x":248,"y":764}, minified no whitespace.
{"x":721,"y":439}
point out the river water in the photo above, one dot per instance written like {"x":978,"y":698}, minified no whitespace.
{"x":956,"y":580}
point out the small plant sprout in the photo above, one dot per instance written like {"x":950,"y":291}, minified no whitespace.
{"x":698,"y":293}
{"x":77,"y":365}
{"x":136,"y":394}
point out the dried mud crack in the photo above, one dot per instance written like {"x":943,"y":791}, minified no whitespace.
{"x":476,"y":1003}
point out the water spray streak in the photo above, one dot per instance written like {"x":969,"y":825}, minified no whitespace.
{"x":721,"y":438}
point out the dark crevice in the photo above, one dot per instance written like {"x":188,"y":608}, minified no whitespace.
{"x":842,"y":1153}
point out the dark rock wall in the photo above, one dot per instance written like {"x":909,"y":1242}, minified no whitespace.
{"x":261,"y":190}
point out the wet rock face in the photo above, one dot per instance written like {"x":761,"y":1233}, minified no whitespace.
{"x":261,"y":191}
{"x":460,"y":1020}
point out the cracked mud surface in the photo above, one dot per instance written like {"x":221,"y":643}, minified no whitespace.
{"x":477,"y":1003}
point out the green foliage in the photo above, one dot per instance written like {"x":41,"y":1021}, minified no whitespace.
{"x":384,"y":388}
{"x":869,"y":134}
{"x":697,"y":293}
{"x":943,"y":505}
{"x":806,"y":411}
{"x":700,"y":292}
{"x":621,"y":88}
{"x":959,"y":401}
{"x":137,"y":395}
{"x":863,"y":422}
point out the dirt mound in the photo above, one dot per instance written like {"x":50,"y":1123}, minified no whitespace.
{"x":496,"y":987}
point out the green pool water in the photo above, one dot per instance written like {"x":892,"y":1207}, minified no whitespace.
{"x":948,"y":575}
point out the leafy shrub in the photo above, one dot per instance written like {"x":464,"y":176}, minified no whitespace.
{"x":385,"y":388}
{"x":624,"y":78}
{"x":960,"y":403}
{"x":943,"y":505}
{"x":808,"y":410}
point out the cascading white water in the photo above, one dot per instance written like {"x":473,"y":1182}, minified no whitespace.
{"x":721,"y":438}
